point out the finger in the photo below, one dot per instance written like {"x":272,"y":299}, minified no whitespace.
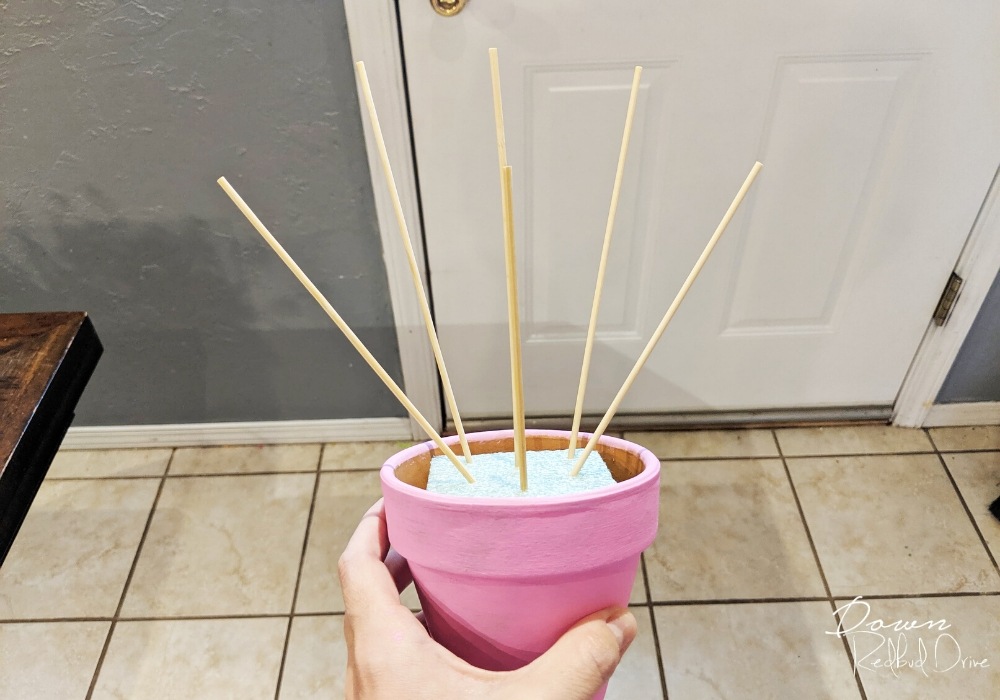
{"x":364,"y":579}
{"x":398,"y":569}
{"x":371,"y":537}
{"x":581,"y":661}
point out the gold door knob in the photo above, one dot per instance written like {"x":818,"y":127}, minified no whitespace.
{"x":447,"y":8}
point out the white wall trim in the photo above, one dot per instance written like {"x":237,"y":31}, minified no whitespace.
{"x":977,"y":266}
{"x":374,"y":38}
{"x":978,"y":413}
{"x":253,"y":433}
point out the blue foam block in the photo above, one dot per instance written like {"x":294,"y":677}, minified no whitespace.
{"x":497,"y":477}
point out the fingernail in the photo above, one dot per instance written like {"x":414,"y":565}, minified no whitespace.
{"x":618,"y":626}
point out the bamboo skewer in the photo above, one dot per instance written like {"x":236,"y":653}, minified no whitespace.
{"x":666,"y":319}
{"x":411,"y":258}
{"x":517,"y":382}
{"x":595,"y":309}
{"x":510,"y":259}
{"x":332,"y":313}
{"x":498,"y":111}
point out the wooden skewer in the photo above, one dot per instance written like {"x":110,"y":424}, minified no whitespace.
{"x":592,"y":328}
{"x":332,"y":313}
{"x":666,"y":319}
{"x":517,"y":383}
{"x":414,"y":270}
{"x":513,"y":322}
{"x":498,"y":110}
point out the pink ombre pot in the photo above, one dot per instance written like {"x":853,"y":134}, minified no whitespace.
{"x":501,"y":579}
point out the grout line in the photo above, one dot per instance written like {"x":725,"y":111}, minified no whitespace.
{"x":327,"y":613}
{"x":744,"y":458}
{"x":970,"y":450}
{"x":128,"y":580}
{"x":820,"y":599}
{"x":777,"y":445}
{"x":930,"y":437}
{"x":190,"y":618}
{"x":645,"y":578}
{"x":918,"y":596}
{"x":149,"y":477}
{"x":654,"y":604}
{"x":802,"y":516}
{"x":738,"y":601}
{"x":968,"y":512}
{"x":819,"y":565}
{"x":298,"y":576}
{"x":652,"y":622}
{"x":33,"y":620}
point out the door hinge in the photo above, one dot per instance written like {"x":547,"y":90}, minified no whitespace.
{"x":947,"y":300}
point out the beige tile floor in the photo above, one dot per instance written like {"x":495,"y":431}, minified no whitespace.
{"x":211,"y":573}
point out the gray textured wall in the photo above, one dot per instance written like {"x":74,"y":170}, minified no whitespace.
{"x":116,"y":118}
{"x":975,"y":376}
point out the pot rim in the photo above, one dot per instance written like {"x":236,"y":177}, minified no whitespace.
{"x":650,"y":472}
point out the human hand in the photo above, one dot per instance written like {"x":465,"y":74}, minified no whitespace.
{"x":390,"y":655}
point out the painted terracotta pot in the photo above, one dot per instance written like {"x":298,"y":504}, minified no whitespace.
{"x":501,"y":579}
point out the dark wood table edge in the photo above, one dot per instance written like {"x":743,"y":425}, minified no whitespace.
{"x":40,"y":441}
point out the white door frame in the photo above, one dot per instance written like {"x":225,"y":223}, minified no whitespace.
{"x":374,"y":36}
{"x":977,"y":265}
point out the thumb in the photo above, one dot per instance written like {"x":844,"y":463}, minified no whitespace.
{"x":581,"y":661}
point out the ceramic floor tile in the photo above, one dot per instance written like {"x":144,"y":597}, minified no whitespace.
{"x":729,"y":529}
{"x":317,"y":660}
{"x":245,"y":459}
{"x":638,"y":595}
{"x":76,"y":464}
{"x":75,"y":548}
{"x":316,"y":663}
{"x":926,"y":662}
{"x":980,"y":437}
{"x":341,"y":500}
{"x":682,"y":444}
{"x":409,"y":598}
{"x":338,"y":456}
{"x":222,"y":545}
{"x":638,"y":675}
{"x":49,"y":660}
{"x":890,"y":525}
{"x":762,"y":650}
{"x":978,"y":477}
{"x":193,"y":660}
{"x":851,"y":439}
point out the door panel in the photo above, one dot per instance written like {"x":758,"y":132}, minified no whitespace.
{"x":844,"y":114}
{"x":877,"y":124}
{"x":567,"y":189}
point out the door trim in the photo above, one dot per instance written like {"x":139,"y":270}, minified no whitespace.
{"x":374,"y":35}
{"x":977,"y":265}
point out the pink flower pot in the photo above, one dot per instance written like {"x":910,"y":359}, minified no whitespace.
{"x":501,"y":579}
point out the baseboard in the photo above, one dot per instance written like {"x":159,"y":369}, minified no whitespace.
{"x":250,"y":433}
{"x":977,"y":413}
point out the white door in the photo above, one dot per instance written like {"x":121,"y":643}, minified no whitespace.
{"x":878,"y":124}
